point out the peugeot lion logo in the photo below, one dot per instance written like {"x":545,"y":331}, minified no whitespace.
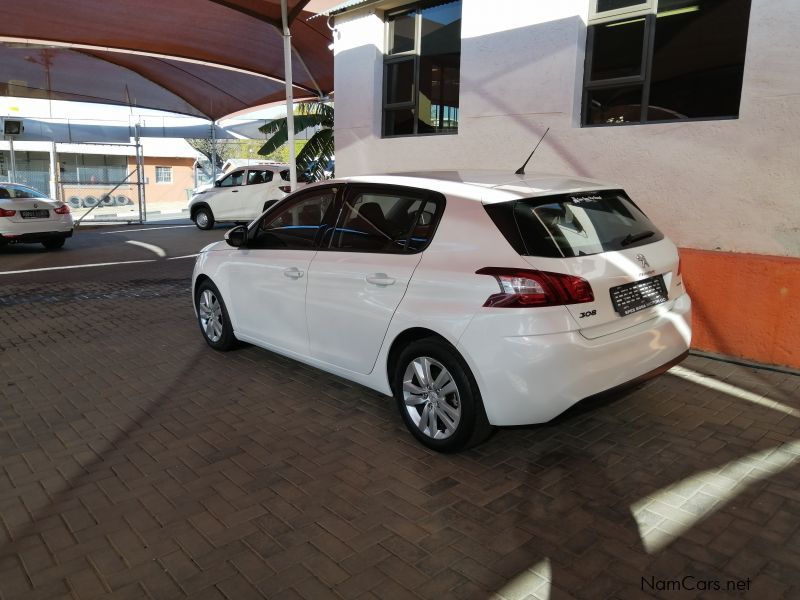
{"x":643,"y":261}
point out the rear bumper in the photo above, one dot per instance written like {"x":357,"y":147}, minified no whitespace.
{"x":532,"y":379}
{"x":30,"y":238}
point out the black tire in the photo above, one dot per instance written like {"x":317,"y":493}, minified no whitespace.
{"x":219,"y":338}
{"x":472,"y":426}
{"x":90,"y":201}
{"x":54,"y":244}
{"x":203,"y":218}
{"x":107,"y":200}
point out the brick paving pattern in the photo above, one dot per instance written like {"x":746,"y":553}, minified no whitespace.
{"x":135,"y":462}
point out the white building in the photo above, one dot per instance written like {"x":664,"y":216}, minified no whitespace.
{"x":712,"y":157}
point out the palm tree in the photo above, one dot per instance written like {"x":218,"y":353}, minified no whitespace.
{"x":318,"y":151}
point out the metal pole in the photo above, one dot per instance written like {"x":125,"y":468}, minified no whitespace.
{"x":213,"y":152}
{"x":140,"y":177}
{"x":54,"y":191}
{"x":13,"y":171}
{"x":287,"y":71}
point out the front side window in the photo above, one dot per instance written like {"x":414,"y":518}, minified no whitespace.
{"x":674,"y":60}
{"x":294,"y":226}
{"x":396,"y":221}
{"x":232,"y":180}
{"x":422,"y":69}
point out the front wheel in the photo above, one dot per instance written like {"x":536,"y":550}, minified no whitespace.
{"x":212,"y":316}
{"x":204,"y":218}
{"x":438,"y":398}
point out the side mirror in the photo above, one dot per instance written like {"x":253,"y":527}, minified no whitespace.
{"x":217,"y":183}
{"x":237,"y":236}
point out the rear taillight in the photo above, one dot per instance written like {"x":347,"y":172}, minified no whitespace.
{"x":7,"y":213}
{"x":62,"y":210}
{"x":285,"y":188}
{"x":522,"y":288}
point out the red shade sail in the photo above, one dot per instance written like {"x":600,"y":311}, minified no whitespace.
{"x":206,"y":58}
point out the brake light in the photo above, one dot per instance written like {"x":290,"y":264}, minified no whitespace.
{"x":7,"y":213}
{"x":522,"y":288}
{"x":62,"y":210}
{"x":285,"y":188}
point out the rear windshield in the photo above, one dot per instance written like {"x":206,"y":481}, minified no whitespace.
{"x":572,"y":225}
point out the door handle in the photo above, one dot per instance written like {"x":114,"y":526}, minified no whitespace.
{"x":381,"y":279}
{"x":293,"y":273}
{"x":234,"y":191}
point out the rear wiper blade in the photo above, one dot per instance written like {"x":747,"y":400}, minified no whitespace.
{"x":630,"y":239}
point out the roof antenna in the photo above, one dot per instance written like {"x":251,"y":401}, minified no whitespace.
{"x":521,"y":170}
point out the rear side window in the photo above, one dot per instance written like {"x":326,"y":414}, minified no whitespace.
{"x":256,"y":176}
{"x":394,"y":221}
{"x":572,"y":225}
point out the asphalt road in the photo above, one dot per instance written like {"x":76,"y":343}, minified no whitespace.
{"x":164,"y":249}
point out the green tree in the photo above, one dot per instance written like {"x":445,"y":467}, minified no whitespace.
{"x":318,"y":151}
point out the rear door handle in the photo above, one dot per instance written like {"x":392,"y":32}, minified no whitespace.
{"x":381,"y":279}
{"x":293,"y":273}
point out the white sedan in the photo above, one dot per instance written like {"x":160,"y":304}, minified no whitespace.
{"x":28,"y":216}
{"x":475,"y":299}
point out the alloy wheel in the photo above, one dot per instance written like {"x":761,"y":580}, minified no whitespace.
{"x":210,"y":314}
{"x":431,"y":398}
{"x":201,"y":219}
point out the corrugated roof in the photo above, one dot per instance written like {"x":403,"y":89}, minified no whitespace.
{"x":339,"y":8}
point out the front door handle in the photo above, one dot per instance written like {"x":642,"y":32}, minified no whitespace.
{"x":234,"y":191}
{"x":381,"y":279}
{"x":293,"y":273}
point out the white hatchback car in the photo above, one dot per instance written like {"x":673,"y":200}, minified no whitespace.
{"x":240,"y":195}
{"x":28,"y":216}
{"x":475,"y":299}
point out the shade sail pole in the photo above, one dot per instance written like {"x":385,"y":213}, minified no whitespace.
{"x":287,"y":70}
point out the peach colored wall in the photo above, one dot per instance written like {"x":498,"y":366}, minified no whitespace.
{"x":182,"y":179}
{"x":744,"y":305}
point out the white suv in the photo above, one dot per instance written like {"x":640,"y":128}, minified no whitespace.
{"x":240,"y":195}
{"x":475,"y":299}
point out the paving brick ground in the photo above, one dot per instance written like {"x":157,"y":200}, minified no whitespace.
{"x":137,"y":463}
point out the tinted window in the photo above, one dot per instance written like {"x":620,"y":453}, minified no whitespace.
{"x":421,"y":92}
{"x":256,"y":176}
{"x":617,"y":49}
{"x":385,"y":222}
{"x":285,"y":175}
{"x":685,"y":61}
{"x":294,"y":226}
{"x":604,"y":5}
{"x":698,"y":59}
{"x":232,"y":180}
{"x":18,"y":191}
{"x":575,"y":224}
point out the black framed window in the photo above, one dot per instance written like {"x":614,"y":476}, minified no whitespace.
{"x":295,"y":225}
{"x":421,"y":74}
{"x":386,"y":220}
{"x":678,"y":60}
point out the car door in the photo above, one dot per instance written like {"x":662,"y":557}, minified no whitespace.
{"x":225,"y":201}
{"x":358,"y":278}
{"x":269,"y":273}
{"x":255,"y":193}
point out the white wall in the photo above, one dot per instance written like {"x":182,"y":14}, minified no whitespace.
{"x":731,"y":185}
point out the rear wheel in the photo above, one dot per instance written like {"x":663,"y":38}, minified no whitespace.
{"x":204,"y":218}
{"x":212,"y":316}
{"x":54,"y":244}
{"x":438,"y":398}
